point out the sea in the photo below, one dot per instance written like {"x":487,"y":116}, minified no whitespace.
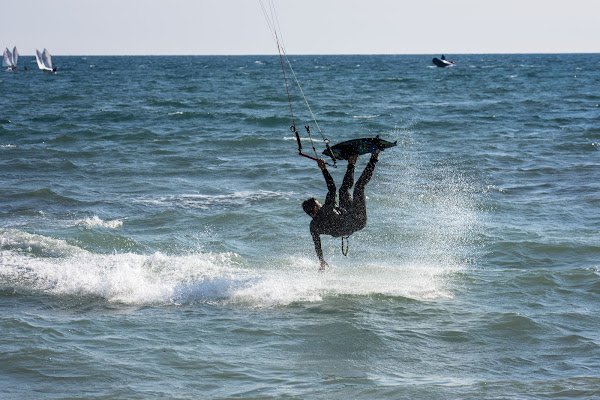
{"x":153,"y":244}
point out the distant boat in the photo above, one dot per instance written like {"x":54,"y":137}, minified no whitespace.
{"x":9,"y":59}
{"x":44,"y":60}
{"x":442,"y":63}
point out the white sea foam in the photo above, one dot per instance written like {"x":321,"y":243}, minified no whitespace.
{"x":302,"y":283}
{"x":366,"y":116}
{"x":95,"y":222}
{"x":23,"y":242}
{"x":126,"y":278}
{"x":220,"y":278}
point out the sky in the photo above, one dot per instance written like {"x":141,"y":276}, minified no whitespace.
{"x":222,"y":27}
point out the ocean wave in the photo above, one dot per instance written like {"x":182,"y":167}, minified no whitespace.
{"x":335,"y":113}
{"x":540,"y":252}
{"x":168,"y":103}
{"x":202,"y":201}
{"x":519,"y":326}
{"x":191,"y":115}
{"x":45,"y":194}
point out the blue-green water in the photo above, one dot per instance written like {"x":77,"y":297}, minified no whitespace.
{"x":153,"y":244}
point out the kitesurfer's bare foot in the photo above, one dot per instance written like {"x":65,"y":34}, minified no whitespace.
{"x":352,"y":159}
{"x":322,"y":164}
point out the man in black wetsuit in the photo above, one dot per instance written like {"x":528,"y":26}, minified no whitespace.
{"x":351,"y":214}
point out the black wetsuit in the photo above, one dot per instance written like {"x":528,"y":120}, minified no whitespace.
{"x":351,"y":214}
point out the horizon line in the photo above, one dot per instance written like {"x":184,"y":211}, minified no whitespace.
{"x":312,"y":54}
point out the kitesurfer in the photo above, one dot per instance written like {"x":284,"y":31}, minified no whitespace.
{"x":351,"y":214}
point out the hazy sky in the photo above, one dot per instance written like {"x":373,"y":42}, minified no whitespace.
{"x":90,"y":27}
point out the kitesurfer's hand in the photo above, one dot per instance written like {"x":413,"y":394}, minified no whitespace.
{"x":323,"y":266}
{"x":321,"y":163}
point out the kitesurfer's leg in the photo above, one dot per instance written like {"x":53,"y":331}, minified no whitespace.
{"x":359,"y":204}
{"x":345,"y":197}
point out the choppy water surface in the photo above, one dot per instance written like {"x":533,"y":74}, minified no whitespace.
{"x":152,"y":243}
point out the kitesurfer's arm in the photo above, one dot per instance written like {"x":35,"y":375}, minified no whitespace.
{"x":331,"y":189}
{"x":317,"y":239}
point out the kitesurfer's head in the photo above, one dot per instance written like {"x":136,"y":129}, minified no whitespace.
{"x":311,"y":206}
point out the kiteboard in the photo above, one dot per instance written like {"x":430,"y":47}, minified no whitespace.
{"x":342,"y":151}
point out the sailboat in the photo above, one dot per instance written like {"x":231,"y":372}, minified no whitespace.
{"x":44,"y":60}
{"x":10,"y":59}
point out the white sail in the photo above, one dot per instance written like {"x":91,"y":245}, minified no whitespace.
{"x":38,"y":59}
{"x":47,"y":60}
{"x":7,"y":58}
{"x":15,"y":56}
